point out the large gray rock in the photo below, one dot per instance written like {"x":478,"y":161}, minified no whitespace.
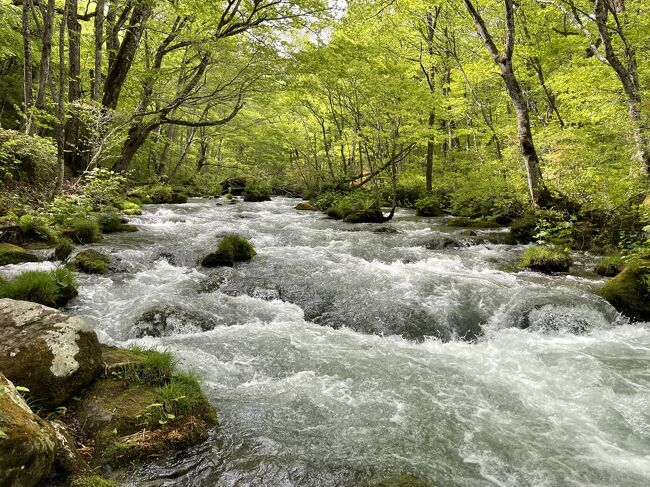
{"x":27,"y":443}
{"x":49,"y":352}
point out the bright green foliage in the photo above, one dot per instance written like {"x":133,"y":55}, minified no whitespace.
{"x":52,"y":289}
{"x":37,"y":228}
{"x":152,"y":367}
{"x":158,"y":194}
{"x":546,"y":259}
{"x":130,"y":208}
{"x":83,"y":231}
{"x":355,"y":207}
{"x":257,"y":190}
{"x":182,"y":395}
{"x":24,"y":158}
{"x":429,"y":205}
{"x":12,"y":254}
{"x":92,"y":262}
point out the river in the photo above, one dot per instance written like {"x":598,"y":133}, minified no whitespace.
{"x":341,"y":353}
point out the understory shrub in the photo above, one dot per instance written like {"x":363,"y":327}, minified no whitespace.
{"x":83,"y":231}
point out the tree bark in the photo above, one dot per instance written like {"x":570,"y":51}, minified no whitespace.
{"x":44,"y":74}
{"x":536,"y":189}
{"x":27,"y":66}
{"x":73,"y":156}
{"x":60,"y":109}
{"x":99,"y":51}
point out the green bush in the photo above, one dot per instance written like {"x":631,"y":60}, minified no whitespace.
{"x":36,"y":227}
{"x":410,"y":188}
{"x":257,"y":190}
{"x":63,"y":249}
{"x":52,"y":289}
{"x":83,"y":231}
{"x":429,"y":205}
{"x":159,"y":194}
{"x":546,"y":259}
{"x":103,"y":187}
{"x":92,"y":262}
{"x":25,"y":157}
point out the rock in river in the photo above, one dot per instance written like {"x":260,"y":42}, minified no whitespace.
{"x":49,"y":352}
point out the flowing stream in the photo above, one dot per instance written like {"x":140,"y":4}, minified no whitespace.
{"x":345,"y":352}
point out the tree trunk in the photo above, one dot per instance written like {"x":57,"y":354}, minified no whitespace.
{"x":121,"y":65}
{"x":430,"y":142}
{"x":27,"y":66}
{"x":73,"y":155}
{"x":99,"y":42}
{"x":46,"y":54}
{"x":137,"y":136}
{"x":60,"y":109}
{"x":536,"y":190}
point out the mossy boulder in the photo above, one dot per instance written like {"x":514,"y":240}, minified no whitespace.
{"x":546,"y":259}
{"x":12,"y":254}
{"x":372,"y":215}
{"x":91,"y":262}
{"x":113,"y":223}
{"x":629,"y":291}
{"x":83,"y":231}
{"x":159,"y":194}
{"x":609,"y":265}
{"x":232,"y":248}
{"x":142,"y":407}
{"x":27,"y":442}
{"x":63,"y":249}
{"x":171,"y":320}
{"x":51,"y":353}
{"x":306,"y":206}
{"x":257,"y":190}
{"x":234,"y":186}
{"x":130,"y":208}
{"x":90,"y":481}
{"x":52,"y":289}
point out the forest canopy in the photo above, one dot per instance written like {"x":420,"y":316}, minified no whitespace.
{"x":484,"y":105}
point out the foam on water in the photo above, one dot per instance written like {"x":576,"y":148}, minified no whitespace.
{"x":334,"y":355}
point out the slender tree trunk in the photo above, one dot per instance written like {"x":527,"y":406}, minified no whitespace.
{"x":99,"y":51}
{"x":60,"y":109}
{"x":27,"y":66}
{"x":73,"y":155}
{"x":44,"y":74}
{"x":430,"y":144}
{"x":536,"y":190}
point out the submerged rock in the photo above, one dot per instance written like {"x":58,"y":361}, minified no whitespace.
{"x":390,"y":230}
{"x":92,"y":262}
{"x":306,"y":206}
{"x":49,"y":352}
{"x":171,"y":320}
{"x":27,"y":442}
{"x":12,"y":254}
{"x":440,"y":243}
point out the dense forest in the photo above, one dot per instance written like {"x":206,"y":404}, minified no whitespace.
{"x":529,"y":119}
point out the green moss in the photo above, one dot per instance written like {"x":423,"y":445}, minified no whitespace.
{"x":546,"y":259}
{"x":240,"y":248}
{"x":629,"y":291}
{"x":219,"y":259}
{"x":182,"y":396}
{"x":150,"y":366}
{"x":63,"y":249}
{"x":609,"y":266}
{"x":257,"y":190}
{"x":159,"y":194}
{"x":12,"y":254}
{"x":355,"y":207}
{"x":430,"y":205}
{"x":91,"y":481}
{"x":92,"y":262}
{"x":403,"y":480}
{"x":52,"y":289}
{"x":83,"y":231}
